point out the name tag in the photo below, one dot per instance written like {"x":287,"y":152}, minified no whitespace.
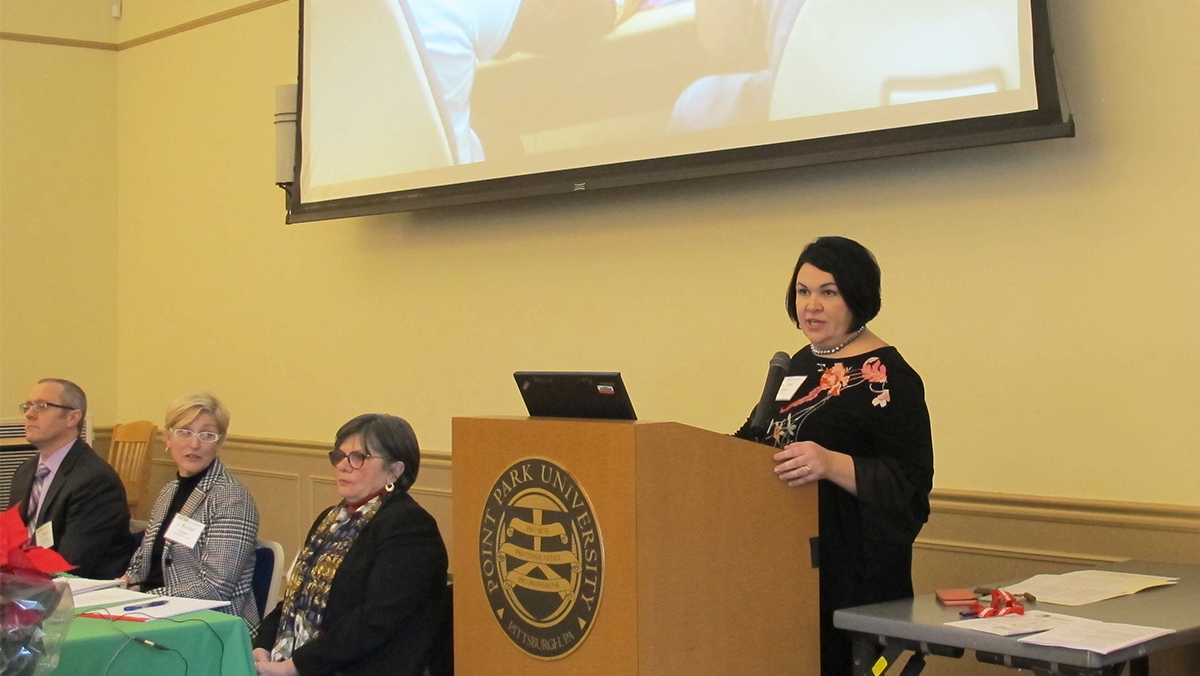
{"x":787,"y":389}
{"x":44,"y":536}
{"x":184,"y":531}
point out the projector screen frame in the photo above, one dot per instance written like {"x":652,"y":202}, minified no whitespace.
{"x":1051,"y":119}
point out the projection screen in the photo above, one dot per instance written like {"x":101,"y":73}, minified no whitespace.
{"x":413,"y":103}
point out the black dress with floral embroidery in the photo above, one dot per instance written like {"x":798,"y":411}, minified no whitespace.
{"x":872,"y":408}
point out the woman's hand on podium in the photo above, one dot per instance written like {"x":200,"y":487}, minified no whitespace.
{"x":802,"y":462}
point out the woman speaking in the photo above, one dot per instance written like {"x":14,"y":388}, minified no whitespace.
{"x":852,"y":417}
{"x":364,"y":594}
{"x":218,"y":562}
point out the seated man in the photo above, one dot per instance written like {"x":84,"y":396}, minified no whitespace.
{"x":73,"y":501}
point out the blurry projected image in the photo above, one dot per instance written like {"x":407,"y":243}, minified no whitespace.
{"x":406,"y":94}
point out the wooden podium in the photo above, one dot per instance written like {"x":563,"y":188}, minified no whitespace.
{"x":707,"y":561}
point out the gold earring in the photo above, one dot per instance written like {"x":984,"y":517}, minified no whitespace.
{"x":391,"y":486}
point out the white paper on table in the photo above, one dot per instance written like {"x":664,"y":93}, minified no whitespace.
{"x":1098,"y":637}
{"x":174,"y":605}
{"x":83,"y":585}
{"x":109,"y":596}
{"x":1081,"y":587}
{"x":1031,"y":622}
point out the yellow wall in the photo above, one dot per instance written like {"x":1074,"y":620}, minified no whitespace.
{"x":89,"y":20}
{"x":1046,"y":291}
{"x":58,"y":203}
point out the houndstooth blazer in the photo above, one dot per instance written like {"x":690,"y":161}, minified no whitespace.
{"x":221,"y":564}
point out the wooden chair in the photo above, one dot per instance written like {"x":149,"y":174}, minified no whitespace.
{"x":129,"y":454}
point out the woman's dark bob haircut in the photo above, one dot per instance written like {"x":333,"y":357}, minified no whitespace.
{"x":388,"y":436}
{"x":854,"y":271}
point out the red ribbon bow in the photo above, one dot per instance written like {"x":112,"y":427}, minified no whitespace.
{"x":1003,"y":603}
{"x":16,"y":555}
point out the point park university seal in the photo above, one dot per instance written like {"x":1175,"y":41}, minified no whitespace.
{"x":541,"y":557}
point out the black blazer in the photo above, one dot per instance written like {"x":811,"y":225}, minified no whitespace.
{"x":86,"y":504}
{"x":384,"y":607}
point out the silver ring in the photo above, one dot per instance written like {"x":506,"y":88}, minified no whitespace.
{"x":806,"y":468}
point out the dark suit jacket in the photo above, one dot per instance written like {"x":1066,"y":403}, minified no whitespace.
{"x":384,"y":607}
{"x":86,"y":504}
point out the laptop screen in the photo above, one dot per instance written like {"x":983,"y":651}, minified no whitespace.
{"x":575,"y":394}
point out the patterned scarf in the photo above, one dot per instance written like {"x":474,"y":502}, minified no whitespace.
{"x":307,"y":587}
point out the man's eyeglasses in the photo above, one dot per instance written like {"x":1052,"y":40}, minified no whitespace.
{"x":41,"y":406}
{"x":186,"y":435}
{"x":356,"y":458}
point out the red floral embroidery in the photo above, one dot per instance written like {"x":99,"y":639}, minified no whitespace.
{"x":803,"y":400}
{"x":835,"y":379}
{"x":874,"y":371}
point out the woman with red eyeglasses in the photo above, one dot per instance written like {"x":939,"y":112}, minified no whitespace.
{"x":365,"y":595}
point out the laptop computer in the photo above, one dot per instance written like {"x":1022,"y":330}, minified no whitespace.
{"x":575,"y":394}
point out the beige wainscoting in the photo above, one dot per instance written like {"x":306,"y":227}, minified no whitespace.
{"x":972,"y":538}
{"x":975,"y":537}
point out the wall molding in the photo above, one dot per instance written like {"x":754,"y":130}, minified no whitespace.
{"x":434,"y":492}
{"x":149,"y":37}
{"x":972,"y":535}
{"x":277,"y":446}
{"x":1078,"y":511}
{"x":270,"y":474}
{"x":1104,"y":513}
{"x":234,"y":442}
{"x":198,"y":23}
{"x":1024,"y":554}
{"x":430,"y":459}
{"x":59,"y":42}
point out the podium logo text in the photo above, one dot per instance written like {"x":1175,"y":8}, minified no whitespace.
{"x":542,"y":558}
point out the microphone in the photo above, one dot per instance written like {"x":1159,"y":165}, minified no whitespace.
{"x":775,"y":374}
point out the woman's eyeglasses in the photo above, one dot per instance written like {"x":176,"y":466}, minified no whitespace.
{"x":186,"y":435}
{"x":356,"y":458}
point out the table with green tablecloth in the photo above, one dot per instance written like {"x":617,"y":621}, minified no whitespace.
{"x":209,"y":642}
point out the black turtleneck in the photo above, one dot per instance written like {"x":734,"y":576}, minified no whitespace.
{"x":187,"y":484}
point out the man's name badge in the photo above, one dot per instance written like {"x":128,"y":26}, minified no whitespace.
{"x":787,"y":389}
{"x":44,"y":536}
{"x":184,"y":531}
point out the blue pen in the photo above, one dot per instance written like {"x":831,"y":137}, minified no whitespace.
{"x":151,"y":604}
